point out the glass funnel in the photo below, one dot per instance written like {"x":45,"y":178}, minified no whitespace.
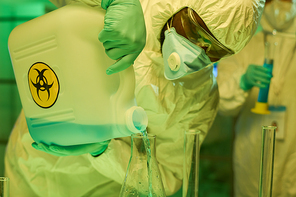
{"x":191,"y":163}
{"x":143,"y":176}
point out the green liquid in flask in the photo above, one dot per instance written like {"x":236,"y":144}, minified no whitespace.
{"x":148,"y":151}
{"x":143,"y":177}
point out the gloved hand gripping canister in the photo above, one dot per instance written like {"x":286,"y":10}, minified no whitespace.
{"x":124,"y":33}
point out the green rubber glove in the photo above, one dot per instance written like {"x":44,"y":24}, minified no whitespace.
{"x":255,"y":76}
{"x":124,"y":33}
{"x":94,"y":149}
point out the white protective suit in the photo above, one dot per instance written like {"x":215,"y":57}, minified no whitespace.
{"x":172,"y":107}
{"x":233,"y":100}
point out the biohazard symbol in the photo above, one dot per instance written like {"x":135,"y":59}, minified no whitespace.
{"x":44,"y":85}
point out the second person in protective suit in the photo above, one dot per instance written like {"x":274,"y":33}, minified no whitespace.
{"x":239,"y":79}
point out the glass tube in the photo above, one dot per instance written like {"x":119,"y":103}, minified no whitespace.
{"x":268,"y":63}
{"x":261,"y":106}
{"x":267,"y":160}
{"x":191,"y":163}
{"x":4,"y":187}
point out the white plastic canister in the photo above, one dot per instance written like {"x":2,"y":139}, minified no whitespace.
{"x":60,"y":70}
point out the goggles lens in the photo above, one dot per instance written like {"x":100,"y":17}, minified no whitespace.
{"x":199,"y":36}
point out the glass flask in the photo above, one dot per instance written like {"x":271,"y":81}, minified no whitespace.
{"x":143,"y":176}
{"x":191,"y":163}
{"x":4,"y":187}
{"x":267,"y":160}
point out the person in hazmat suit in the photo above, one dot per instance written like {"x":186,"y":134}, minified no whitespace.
{"x":239,"y":79}
{"x":174,"y":103}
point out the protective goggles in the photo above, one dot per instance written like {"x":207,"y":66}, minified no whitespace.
{"x":199,"y":36}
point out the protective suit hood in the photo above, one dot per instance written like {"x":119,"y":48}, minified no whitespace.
{"x":232,"y":22}
{"x":267,"y":27}
{"x":280,"y":14}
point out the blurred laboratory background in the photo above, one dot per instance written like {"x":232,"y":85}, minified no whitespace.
{"x":12,"y":13}
{"x":216,"y":176}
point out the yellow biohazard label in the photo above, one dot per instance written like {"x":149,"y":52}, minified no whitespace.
{"x":44,"y":85}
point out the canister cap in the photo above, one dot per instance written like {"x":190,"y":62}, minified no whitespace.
{"x":136,"y":119}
